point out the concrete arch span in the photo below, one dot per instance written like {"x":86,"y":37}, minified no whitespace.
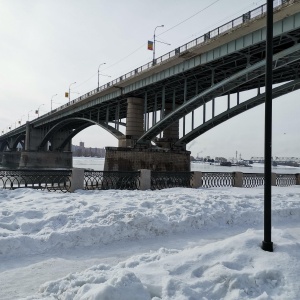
{"x":73,"y":126}
{"x":3,"y":145}
{"x":20,"y":139}
{"x":280,"y":60}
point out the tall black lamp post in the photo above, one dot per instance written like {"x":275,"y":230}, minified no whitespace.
{"x":267,"y":244}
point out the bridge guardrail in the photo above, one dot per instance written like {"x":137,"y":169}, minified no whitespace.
{"x":257,"y":12}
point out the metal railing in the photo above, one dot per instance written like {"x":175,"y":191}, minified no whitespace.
{"x":163,"y":180}
{"x":104,"y":180}
{"x":217,"y":179}
{"x":285,"y":179}
{"x":255,"y":13}
{"x":61,"y":180}
{"x":251,"y":180}
{"x":50,"y":180}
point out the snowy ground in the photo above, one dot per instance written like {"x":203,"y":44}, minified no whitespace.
{"x":169,"y":244}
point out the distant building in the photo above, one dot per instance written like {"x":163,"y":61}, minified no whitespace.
{"x":220,"y":159}
{"x":286,"y":161}
{"x":87,"y":152}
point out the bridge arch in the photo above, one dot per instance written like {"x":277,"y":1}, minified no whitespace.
{"x":3,"y":145}
{"x":80,"y":124}
{"x":236,"y":110}
{"x":20,"y":139}
{"x":280,"y":59}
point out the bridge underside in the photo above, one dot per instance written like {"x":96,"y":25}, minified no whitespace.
{"x":159,"y":113}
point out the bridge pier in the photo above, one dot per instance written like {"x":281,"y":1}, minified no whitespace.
{"x":133,"y":159}
{"x":10,"y":159}
{"x":134,"y":122}
{"x":45,"y":159}
{"x":171,"y":133}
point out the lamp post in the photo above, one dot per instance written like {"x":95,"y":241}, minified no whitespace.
{"x":20,"y":120}
{"x":70,"y":89}
{"x":99,"y":72}
{"x":52,"y":100}
{"x":38,"y":110}
{"x":28,"y":114}
{"x":267,"y":243}
{"x":154,"y":42}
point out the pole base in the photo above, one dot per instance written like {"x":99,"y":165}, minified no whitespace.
{"x":267,"y":246}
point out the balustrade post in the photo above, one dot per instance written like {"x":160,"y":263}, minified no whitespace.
{"x":77,"y":179}
{"x":196,"y":180}
{"x":273,"y":179}
{"x":145,"y":179}
{"x":238,"y":179}
{"x":297,"y":179}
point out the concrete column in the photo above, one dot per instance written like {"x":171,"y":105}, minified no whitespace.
{"x":171,"y":132}
{"x":196,"y":181}
{"x":273,"y":179}
{"x":58,"y":138}
{"x":27,"y":137}
{"x":77,"y":179}
{"x":33,"y":138}
{"x":145,"y":179}
{"x":238,"y":179}
{"x":135,"y":117}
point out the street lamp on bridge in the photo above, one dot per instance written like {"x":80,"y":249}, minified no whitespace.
{"x":38,"y":110}
{"x":101,"y":74}
{"x":20,"y":121}
{"x":52,"y":100}
{"x":155,"y":40}
{"x":70,"y":90}
{"x":28,"y":114}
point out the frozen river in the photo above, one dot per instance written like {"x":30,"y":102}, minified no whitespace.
{"x":97,"y":164}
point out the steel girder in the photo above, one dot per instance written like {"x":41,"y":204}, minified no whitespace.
{"x":236,"y":110}
{"x":280,"y":59}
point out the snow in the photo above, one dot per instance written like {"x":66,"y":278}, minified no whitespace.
{"x":175,"y":243}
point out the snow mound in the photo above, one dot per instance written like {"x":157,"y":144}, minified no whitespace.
{"x":235,"y":268}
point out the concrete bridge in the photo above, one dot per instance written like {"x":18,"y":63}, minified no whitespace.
{"x":151,"y":101}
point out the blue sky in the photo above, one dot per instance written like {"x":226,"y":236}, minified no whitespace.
{"x":47,"y":45}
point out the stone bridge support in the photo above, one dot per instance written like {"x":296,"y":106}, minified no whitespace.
{"x":131,"y":157}
{"x":134,"y":122}
{"x":58,"y":139}
{"x":35,"y":156}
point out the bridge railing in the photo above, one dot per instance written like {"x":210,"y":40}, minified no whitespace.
{"x":105,"y":180}
{"x":217,"y":179}
{"x":163,"y":180}
{"x":50,"y":180}
{"x":255,"y":13}
{"x":66,"y":180}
